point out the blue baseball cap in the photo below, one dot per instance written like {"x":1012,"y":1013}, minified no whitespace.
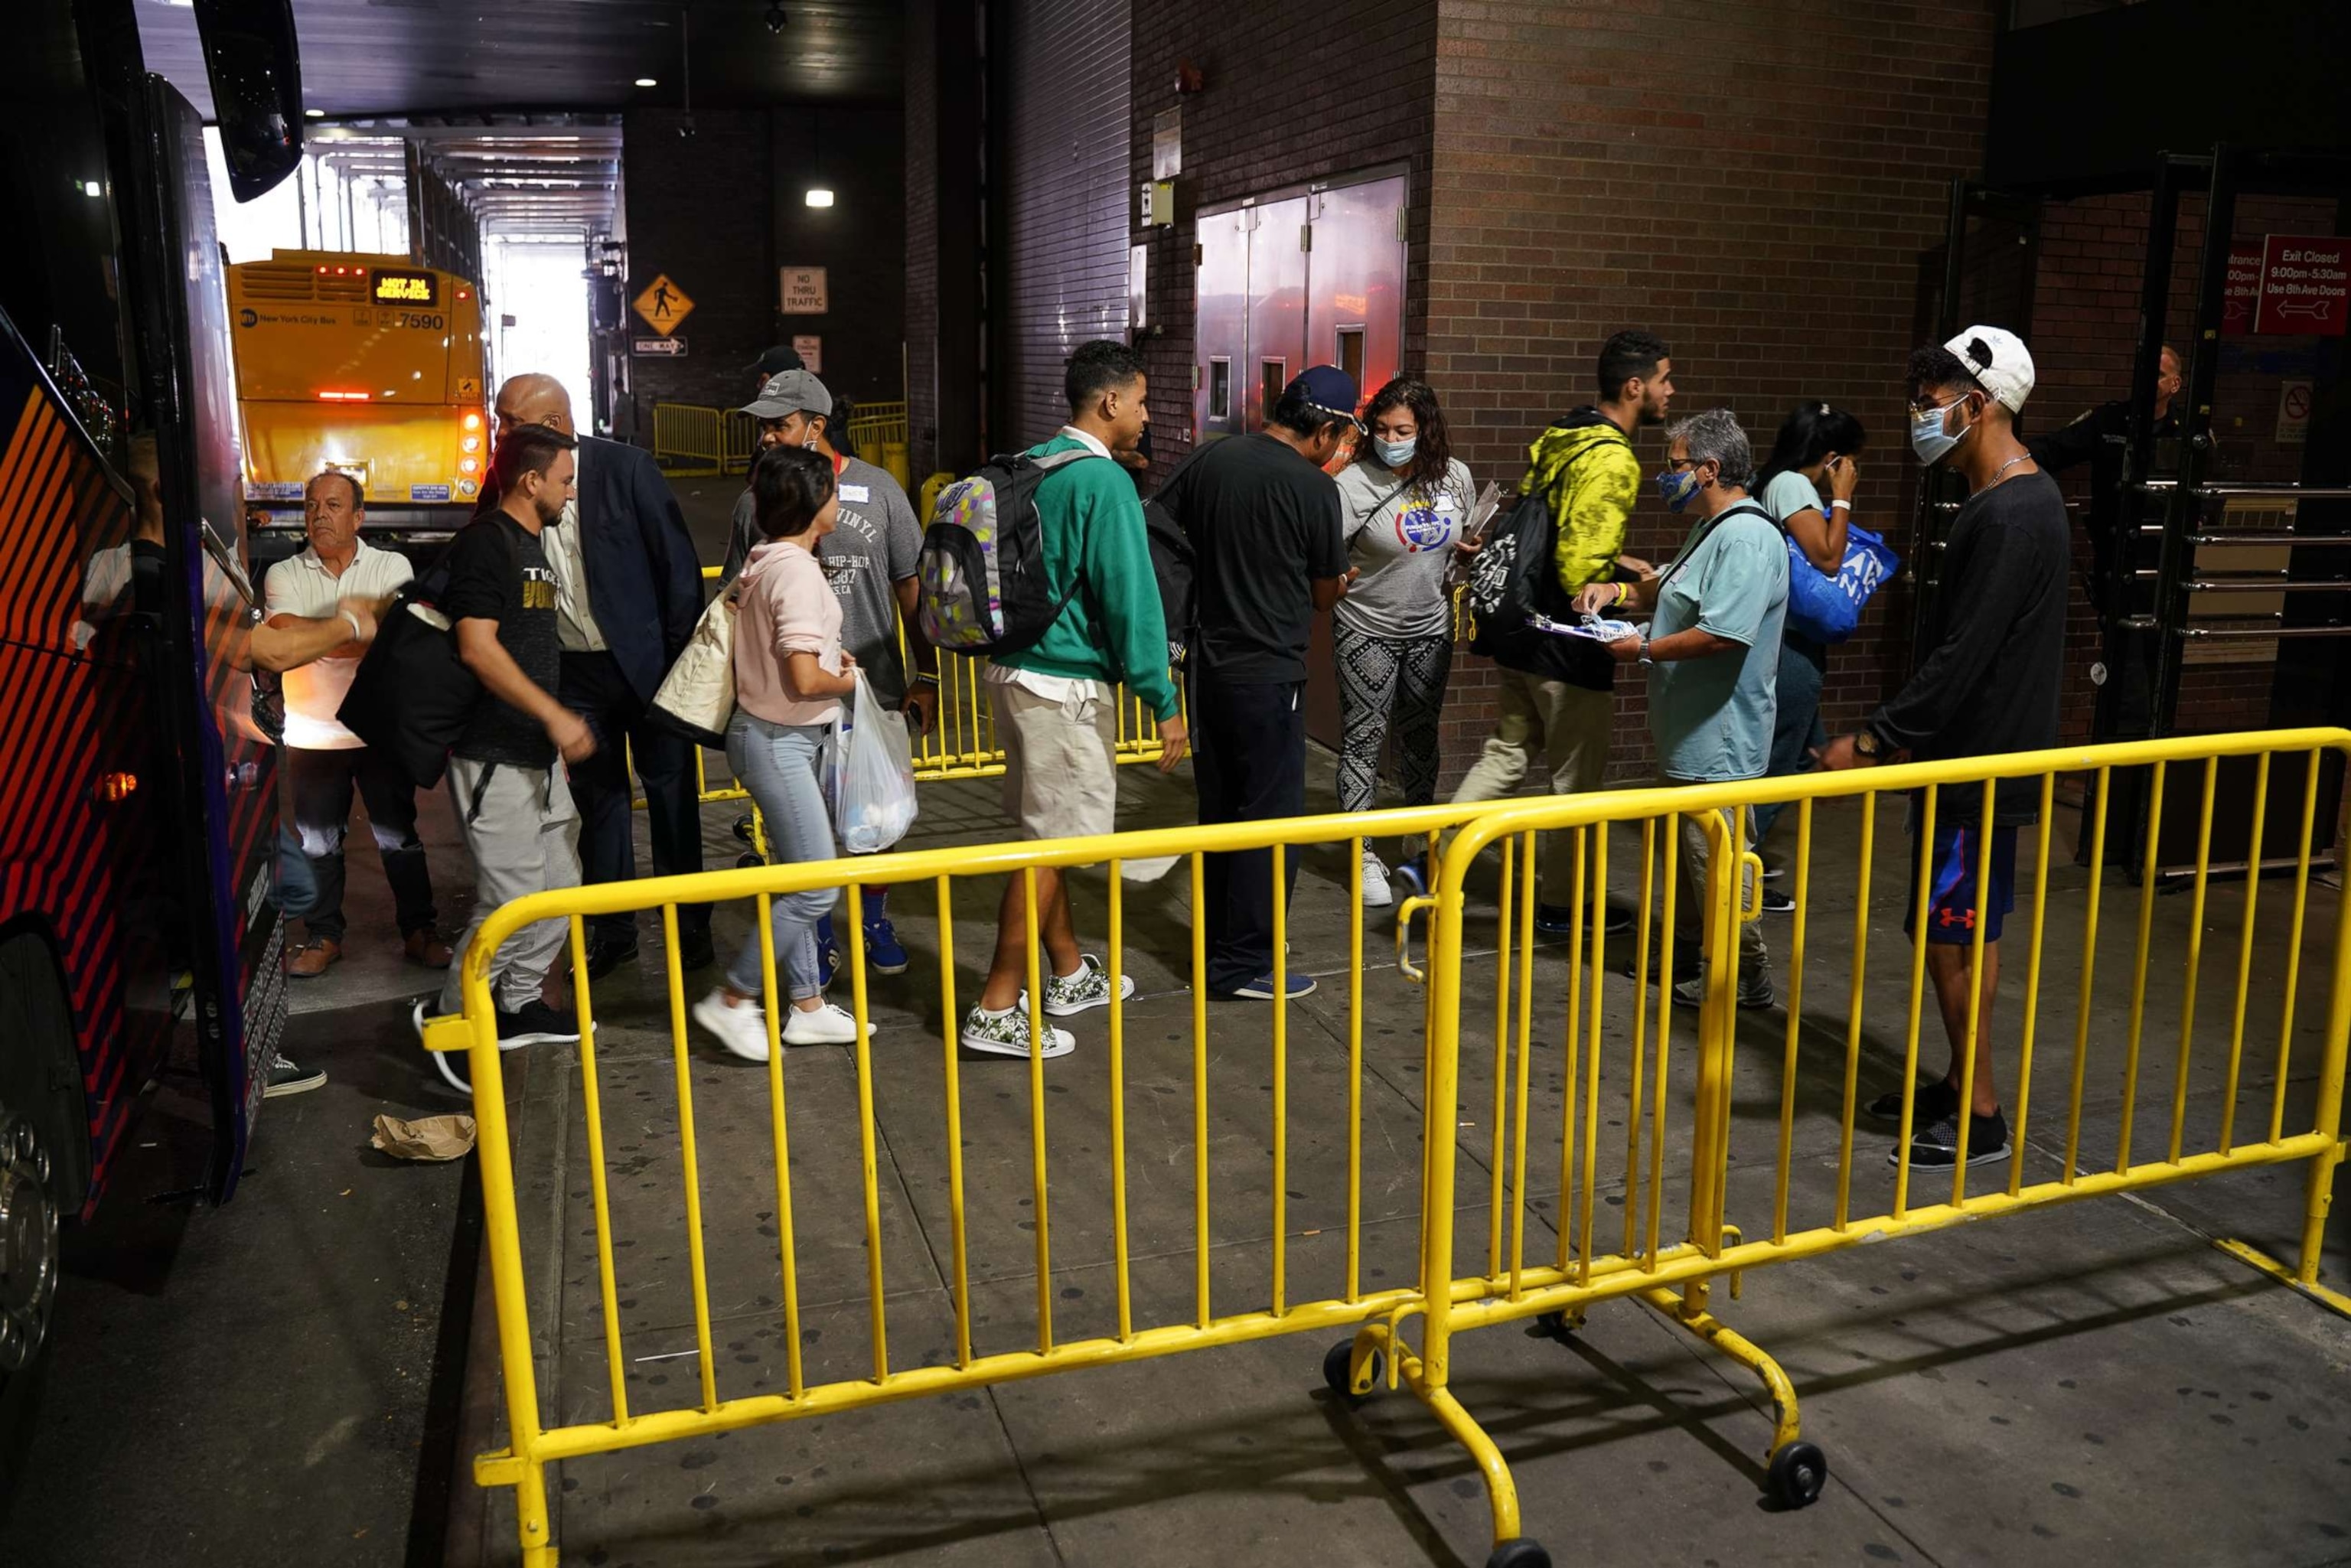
{"x":1328,"y":390}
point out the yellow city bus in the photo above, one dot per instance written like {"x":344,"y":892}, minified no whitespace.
{"x":369,"y":364}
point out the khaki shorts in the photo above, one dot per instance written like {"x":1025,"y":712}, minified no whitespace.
{"x":1061,"y":767}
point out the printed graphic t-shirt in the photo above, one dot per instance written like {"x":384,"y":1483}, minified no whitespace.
{"x":498,"y":571}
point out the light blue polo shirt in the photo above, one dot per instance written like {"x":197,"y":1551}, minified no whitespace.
{"x":1712,"y":717}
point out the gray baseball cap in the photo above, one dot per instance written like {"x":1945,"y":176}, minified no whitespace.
{"x":793,"y":392}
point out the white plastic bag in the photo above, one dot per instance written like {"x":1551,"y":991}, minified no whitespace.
{"x":873,"y":774}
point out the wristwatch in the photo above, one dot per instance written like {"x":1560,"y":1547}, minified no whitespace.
{"x":1645,"y":648}
{"x":1865,"y":744}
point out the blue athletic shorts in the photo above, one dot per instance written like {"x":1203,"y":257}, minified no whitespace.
{"x":1952,"y":906}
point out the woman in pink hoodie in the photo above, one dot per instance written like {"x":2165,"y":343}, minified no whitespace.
{"x":791,"y":674}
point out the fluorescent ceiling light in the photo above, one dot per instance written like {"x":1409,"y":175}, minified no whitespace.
{"x":647,"y":81}
{"x":315,"y":113}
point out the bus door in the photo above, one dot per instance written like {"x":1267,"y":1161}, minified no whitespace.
{"x":227,"y":782}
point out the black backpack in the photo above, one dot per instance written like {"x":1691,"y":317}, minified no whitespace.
{"x":1172,"y":563}
{"x":413,"y":696}
{"x":1510,"y":579}
{"x":985,"y":588}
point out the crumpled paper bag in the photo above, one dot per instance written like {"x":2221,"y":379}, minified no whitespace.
{"x":428,"y":1138}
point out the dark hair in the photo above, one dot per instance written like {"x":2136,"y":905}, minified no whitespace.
{"x":836,"y":426}
{"x":789,"y":486}
{"x":1300,"y":417}
{"x":525,"y":449}
{"x":359,"y":497}
{"x":1625,"y":356}
{"x":1810,"y":433}
{"x":1433,"y":449}
{"x":1104,"y":365}
{"x":1936,"y":367}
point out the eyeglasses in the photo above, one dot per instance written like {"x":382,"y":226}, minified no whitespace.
{"x":1674,"y":462}
{"x":1921,"y":408}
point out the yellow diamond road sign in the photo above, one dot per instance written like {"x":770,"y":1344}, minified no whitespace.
{"x":663,"y":305}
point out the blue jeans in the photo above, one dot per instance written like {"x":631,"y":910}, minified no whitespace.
{"x":778,"y":764}
{"x":1803,"y":669}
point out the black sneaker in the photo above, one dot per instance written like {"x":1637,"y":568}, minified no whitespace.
{"x":1932,"y":1100}
{"x":606,"y":953}
{"x":1937,"y":1148}
{"x":1778,"y":902}
{"x":693,"y":949}
{"x":1559,"y":920}
{"x":284,"y":1078}
{"x":536,"y":1023}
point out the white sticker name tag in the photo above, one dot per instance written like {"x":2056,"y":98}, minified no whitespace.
{"x":857,"y":492}
{"x":1445,"y":504}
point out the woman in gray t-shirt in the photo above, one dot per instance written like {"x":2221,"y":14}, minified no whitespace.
{"x":1405,"y":503}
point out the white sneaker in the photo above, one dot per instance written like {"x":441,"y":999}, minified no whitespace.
{"x":1377,"y":893}
{"x":1006,"y":1034}
{"x":827,"y":1025}
{"x":1068,"y":995}
{"x":742,"y":1030}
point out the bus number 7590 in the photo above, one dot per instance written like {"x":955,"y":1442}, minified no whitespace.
{"x":430,"y":322}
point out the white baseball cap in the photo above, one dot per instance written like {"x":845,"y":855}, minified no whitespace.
{"x":1997,"y":358}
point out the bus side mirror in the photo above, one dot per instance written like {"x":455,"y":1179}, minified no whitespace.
{"x":255,"y":68}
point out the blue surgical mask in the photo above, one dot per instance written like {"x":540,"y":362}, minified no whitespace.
{"x":1395,"y":454}
{"x":1676,"y":488}
{"x":1929,"y":439}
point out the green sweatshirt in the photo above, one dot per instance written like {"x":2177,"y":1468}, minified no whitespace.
{"x":1112,"y":628}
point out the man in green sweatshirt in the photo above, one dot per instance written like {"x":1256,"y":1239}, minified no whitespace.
{"x":1056,"y":711}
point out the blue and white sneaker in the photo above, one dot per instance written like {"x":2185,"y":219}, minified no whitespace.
{"x":1262,"y":990}
{"x":884,"y":954}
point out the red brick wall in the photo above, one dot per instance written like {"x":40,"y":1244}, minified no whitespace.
{"x":1754,"y":181}
{"x":1066,"y":198}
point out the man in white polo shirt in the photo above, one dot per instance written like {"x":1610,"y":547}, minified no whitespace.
{"x":324,"y":761}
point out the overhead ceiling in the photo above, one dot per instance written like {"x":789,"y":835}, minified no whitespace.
{"x":454,"y":57}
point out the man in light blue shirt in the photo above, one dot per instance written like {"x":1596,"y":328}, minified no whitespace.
{"x":1712,"y":651}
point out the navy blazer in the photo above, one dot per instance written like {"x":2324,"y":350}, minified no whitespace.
{"x":644,"y":579}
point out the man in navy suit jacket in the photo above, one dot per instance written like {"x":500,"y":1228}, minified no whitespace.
{"x":628,"y":593}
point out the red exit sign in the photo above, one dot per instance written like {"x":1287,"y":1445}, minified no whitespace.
{"x":2305,"y":287}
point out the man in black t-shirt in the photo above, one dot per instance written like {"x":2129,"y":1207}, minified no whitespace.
{"x":1263,"y":520}
{"x":1989,"y":661}
{"x":512,"y":797}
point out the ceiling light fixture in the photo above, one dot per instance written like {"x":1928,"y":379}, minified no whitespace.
{"x":820,"y":196}
{"x":647,"y":81}
{"x":315,"y":113}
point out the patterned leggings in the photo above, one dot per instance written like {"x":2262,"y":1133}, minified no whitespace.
{"x":1380,"y":677}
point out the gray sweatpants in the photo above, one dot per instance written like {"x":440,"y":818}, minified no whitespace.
{"x":524,"y":835}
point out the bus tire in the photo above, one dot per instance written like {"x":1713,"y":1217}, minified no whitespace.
{"x":44,"y":1166}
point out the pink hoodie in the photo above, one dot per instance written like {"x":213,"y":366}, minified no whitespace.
{"x":787,"y":607}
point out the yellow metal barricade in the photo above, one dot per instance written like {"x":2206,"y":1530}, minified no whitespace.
{"x":1197,"y":1314}
{"x":689,"y":441}
{"x":1606,"y":1066}
{"x":1692,"y":1212}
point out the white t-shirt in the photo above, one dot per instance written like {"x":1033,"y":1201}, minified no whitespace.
{"x":301,"y":585}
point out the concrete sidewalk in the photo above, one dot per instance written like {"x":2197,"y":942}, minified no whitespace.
{"x":2057,"y":1388}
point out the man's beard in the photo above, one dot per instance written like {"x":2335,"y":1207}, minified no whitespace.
{"x":549,"y":516}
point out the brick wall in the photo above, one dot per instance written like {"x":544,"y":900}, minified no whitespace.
{"x":1062,"y":267}
{"x":1754,"y":181}
{"x":921,"y":172}
{"x":699,"y":210}
{"x":1292,"y":94}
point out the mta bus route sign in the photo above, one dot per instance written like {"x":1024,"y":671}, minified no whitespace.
{"x":663,"y":305}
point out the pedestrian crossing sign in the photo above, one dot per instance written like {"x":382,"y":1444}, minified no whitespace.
{"x":663,"y":305}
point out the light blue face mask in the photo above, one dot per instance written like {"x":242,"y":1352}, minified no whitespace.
{"x":1395,"y":454}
